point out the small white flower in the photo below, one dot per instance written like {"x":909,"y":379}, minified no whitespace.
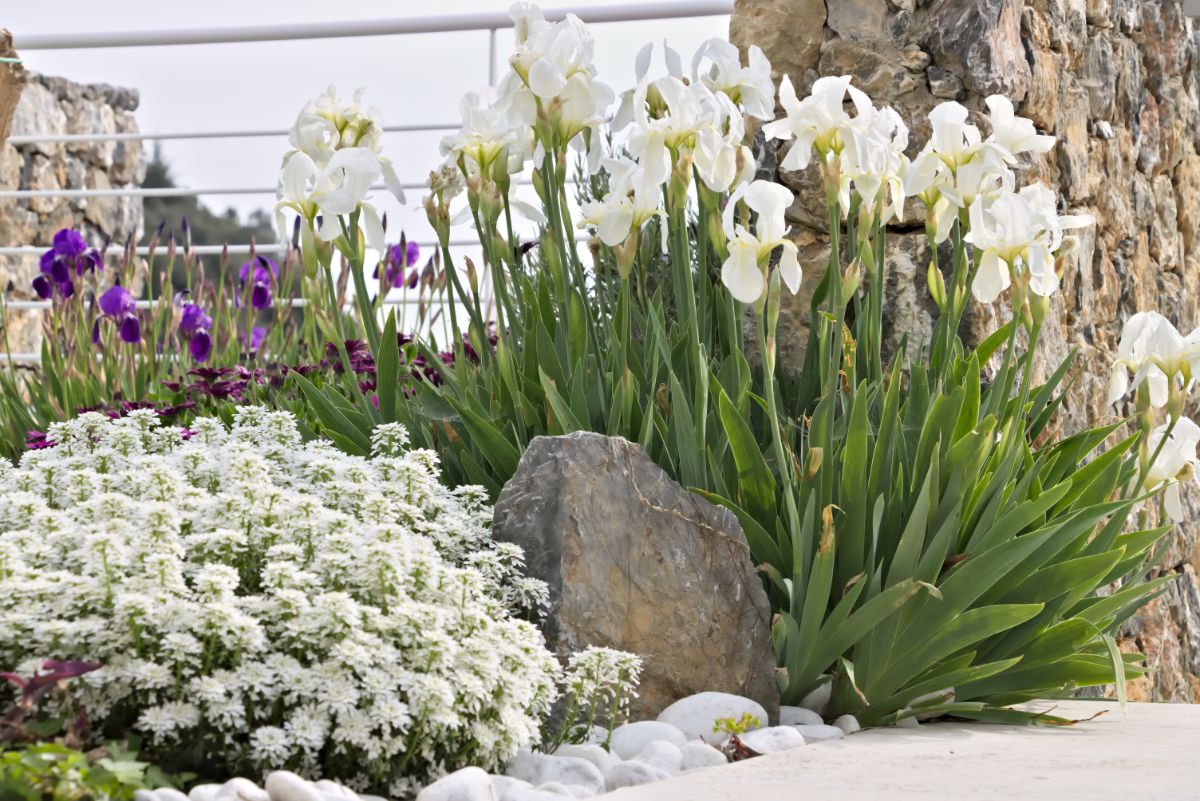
{"x":1177,"y":461}
{"x":819,"y":122}
{"x":1157,"y":355}
{"x":750,"y":86}
{"x":633,"y":200}
{"x":743,"y":271}
{"x":1018,"y":234}
{"x":338,"y":188}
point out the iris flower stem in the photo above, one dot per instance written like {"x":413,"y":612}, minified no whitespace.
{"x":681,"y":261}
{"x":366,"y":308}
{"x":786,"y":479}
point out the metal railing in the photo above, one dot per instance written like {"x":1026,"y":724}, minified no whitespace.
{"x":136,"y":136}
{"x":490,"y":21}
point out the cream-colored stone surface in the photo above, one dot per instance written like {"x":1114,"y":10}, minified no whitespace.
{"x":1148,"y":755}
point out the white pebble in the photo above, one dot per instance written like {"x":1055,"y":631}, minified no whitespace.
{"x":169,"y":794}
{"x":698,"y":755}
{"x":816,"y":732}
{"x":595,"y":754}
{"x":144,"y":795}
{"x":240,"y":789}
{"x":527,"y":792}
{"x":818,"y":699}
{"x":798,"y":716}
{"x":283,"y":785}
{"x":632,"y":774}
{"x":908,"y":723}
{"x":539,"y":769}
{"x":773,"y":739}
{"x":848,"y":724}
{"x":336,"y":790}
{"x":568,"y":790}
{"x":509,"y":789}
{"x":696,"y":715}
{"x":662,"y":755}
{"x":627,"y":740}
{"x":468,"y":784}
{"x":205,"y":792}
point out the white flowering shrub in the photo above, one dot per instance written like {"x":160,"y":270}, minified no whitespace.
{"x":259,"y":602}
{"x":598,"y":685}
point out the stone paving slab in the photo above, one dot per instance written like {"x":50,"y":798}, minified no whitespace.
{"x":1151,"y":753}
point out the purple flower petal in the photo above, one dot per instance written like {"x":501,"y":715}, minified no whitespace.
{"x":88,"y":261}
{"x":43,"y":287}
{"x":260,"y":295}
{"x":131,"y":329}
{"x":66,"y":288}
{"x":46,"y":262}
{"x":69,"y":243}
{"x":200,"y":345}
{"x":59,"y":271}
{"x":96,"y":331}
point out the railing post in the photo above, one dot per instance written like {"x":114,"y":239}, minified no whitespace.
{"x":491,"y":56}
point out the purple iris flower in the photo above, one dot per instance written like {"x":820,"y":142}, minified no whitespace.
{"x":257,"y":335}
{"x":193,"y":320}
{"x":194,"y":326}
{"x":397,"y":259}
{"x":259,"y":274}
{"x":116,"y":301}
{"x":200,"y":345}
{"x":69,"y":243}
{"x":69,"y":253}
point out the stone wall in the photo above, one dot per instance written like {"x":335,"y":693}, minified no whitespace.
{"x":12,"y":79}
{"x":58,"y":106}
{"x":1116,"y":82}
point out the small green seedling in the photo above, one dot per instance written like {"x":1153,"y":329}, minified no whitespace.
{"x":735,"y":726}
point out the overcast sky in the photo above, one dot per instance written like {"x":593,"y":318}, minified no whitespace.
{"x":412,"y":78}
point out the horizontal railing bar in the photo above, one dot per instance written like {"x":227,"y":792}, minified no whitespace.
{"x":144,"y":250}
{"x":295,"y":303}
{"x":441,"y":23}
{"x":209,"y":250}
{"x":133,"y":136}
{"x":165,"y":191}
{"x":183,"y":191}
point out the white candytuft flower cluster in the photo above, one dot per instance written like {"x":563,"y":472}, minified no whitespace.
{"x":264,"y":603}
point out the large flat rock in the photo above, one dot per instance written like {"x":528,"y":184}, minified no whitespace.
{"x":636,"y":562}
{"x":1151,"y":753}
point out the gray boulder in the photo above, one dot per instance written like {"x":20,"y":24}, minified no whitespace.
{"x":636,"y":562}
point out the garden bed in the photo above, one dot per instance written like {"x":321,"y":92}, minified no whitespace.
{"x":1149,"y":753}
